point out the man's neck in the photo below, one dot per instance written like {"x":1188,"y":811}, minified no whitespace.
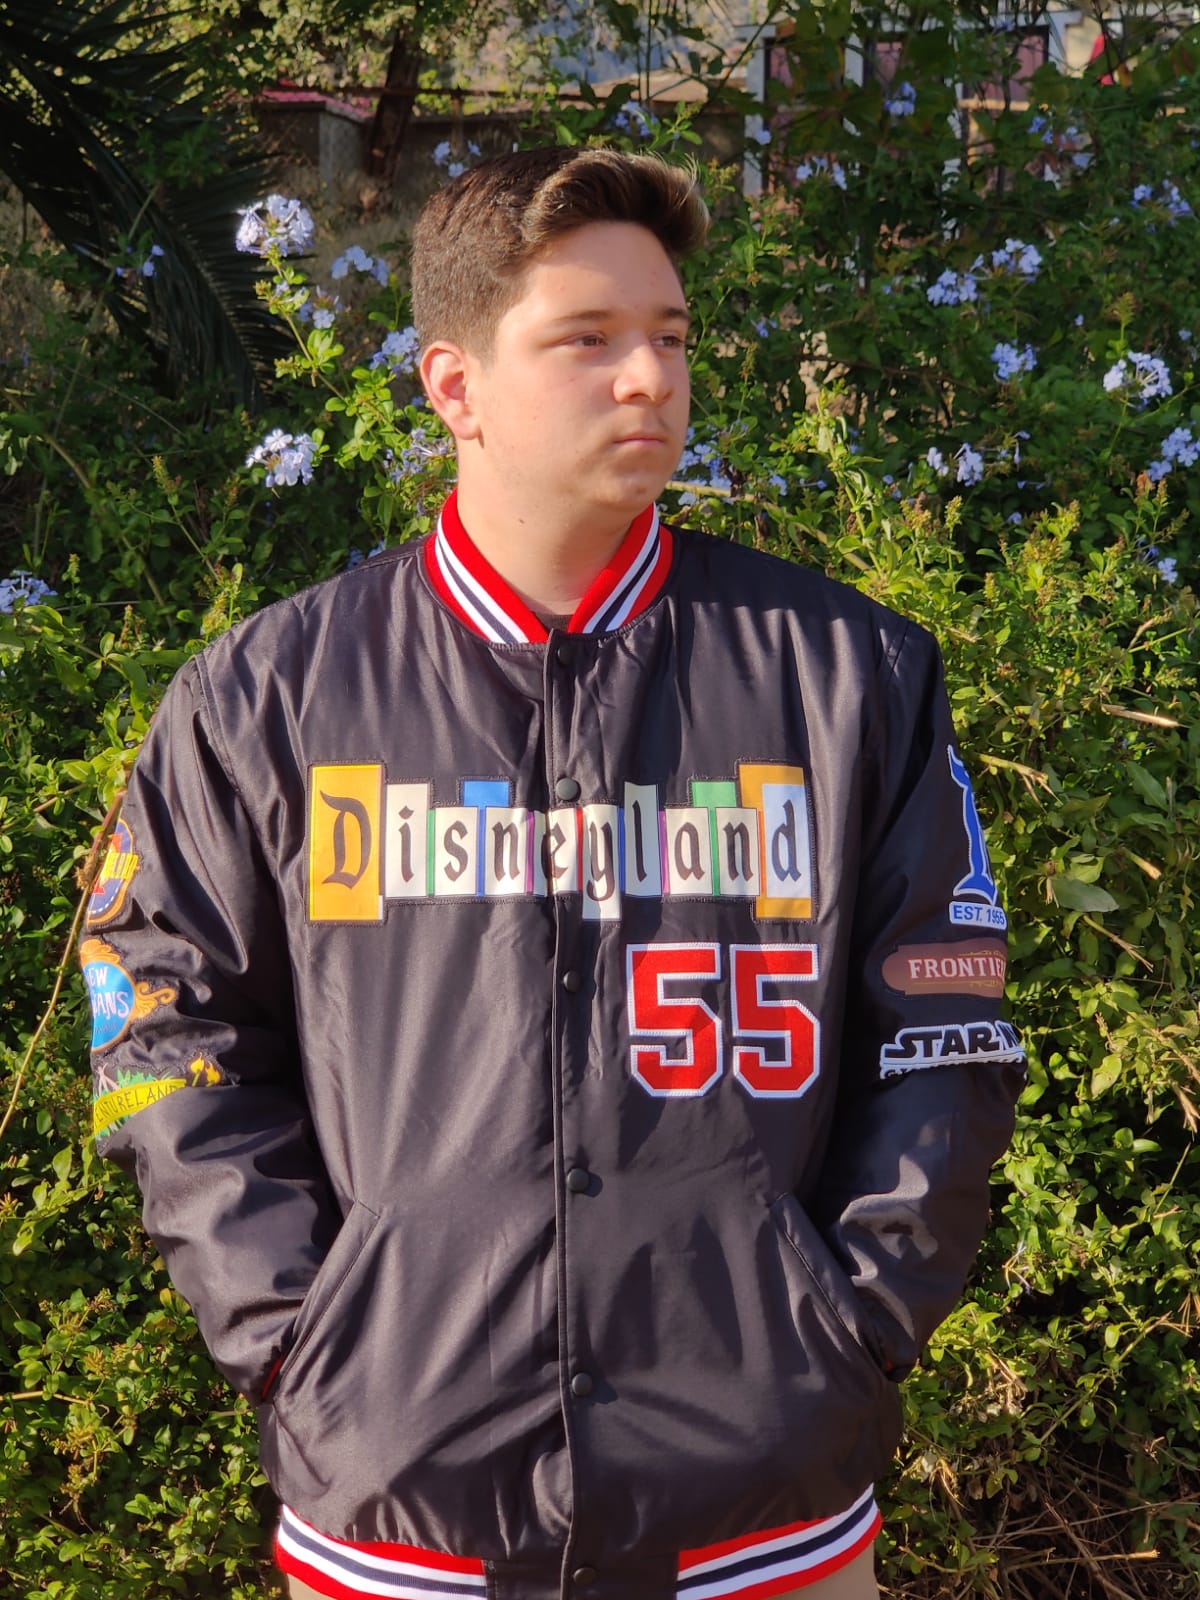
{"x":549,"y":560}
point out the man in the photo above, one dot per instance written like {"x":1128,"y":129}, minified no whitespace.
{"x":546,"y":983}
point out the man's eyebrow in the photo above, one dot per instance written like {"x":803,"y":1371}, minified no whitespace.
{"x":608,"y":314}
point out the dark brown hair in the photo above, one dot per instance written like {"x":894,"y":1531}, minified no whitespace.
{"x":476,"y":236}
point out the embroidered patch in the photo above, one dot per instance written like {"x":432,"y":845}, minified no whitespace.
{"x":980,"y":906}
{"x":117,"y":998}
{"x":960,"y":968}
{"x":121,"y":861}
{"x":951,"y":1044}
{"x":203,"y":1073}
{"x":129,"y":1098}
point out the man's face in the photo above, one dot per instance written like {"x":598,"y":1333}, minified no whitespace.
{"x":582,"y":402}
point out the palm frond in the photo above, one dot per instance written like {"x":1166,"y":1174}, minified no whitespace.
{"x":89,"y":104}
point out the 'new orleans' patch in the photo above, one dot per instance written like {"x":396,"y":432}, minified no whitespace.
{"x":117,"y":998}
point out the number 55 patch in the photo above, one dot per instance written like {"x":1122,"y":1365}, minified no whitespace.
{"x":689,"y":1057}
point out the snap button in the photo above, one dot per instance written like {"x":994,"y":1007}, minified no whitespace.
{"x":572,"y":981}
{"x":581,"y":1385}
{"x":583,"y":1577}
{"x":563,"y":655}
{"x":579,"y":1180}
{"x":566,"y":789}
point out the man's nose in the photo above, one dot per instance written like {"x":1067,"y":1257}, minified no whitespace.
{"x":644,"y":373}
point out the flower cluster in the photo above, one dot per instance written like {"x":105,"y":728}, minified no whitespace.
{"x":275,"y":223}
{"x":23,"y":586}
{"x":701,"y":464}
{"x":1068,"y":142}
{"x":635,"y":120}
{"x":399,"y":352}
{"x":146,"y":268}
{"x":970,"y":465}
{"x":1179,"y":449}
{"x":358,"y":258}
{"x":422,"y":447}
{"x":1142,"y":376}
{"x":902,"y":101}
{"x":952,"y":289}
{"x":1016,"y":257}
{"x":315,"y":306}
{"x":442,"y":158}
{"x":287,"y":457}
{"x":1011,"y":362}
{"x":821,"y":166}
{"x":1168,"y":198}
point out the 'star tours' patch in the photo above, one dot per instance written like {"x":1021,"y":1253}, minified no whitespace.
{"x":117,"y":998}
{"x":120,"y":862}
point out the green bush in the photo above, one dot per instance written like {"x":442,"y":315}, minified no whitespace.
{"x":1054,"y":1422}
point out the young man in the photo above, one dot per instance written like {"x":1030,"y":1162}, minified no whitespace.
{"x":546,"y":983}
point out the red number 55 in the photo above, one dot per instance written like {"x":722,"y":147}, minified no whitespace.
{"x":690,"y":1058}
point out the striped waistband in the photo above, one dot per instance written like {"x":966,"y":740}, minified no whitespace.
{"x":754,"y":1567}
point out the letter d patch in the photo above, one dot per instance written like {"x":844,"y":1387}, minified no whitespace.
{"x":345,"y":845}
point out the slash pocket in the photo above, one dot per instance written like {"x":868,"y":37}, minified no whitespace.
{"x":326,"y":1289}
{"x":829,"y":1281}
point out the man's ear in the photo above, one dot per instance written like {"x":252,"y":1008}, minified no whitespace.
{"x":446,"y":370}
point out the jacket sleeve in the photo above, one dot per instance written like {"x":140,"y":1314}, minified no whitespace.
{"x":930,"y":1071}
{"x":195,"y":1063}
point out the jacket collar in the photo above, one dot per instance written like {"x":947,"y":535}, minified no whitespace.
{"x":476,"y":593}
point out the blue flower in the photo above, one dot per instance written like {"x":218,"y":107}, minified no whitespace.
{"x":937,"y":461}
{"x":902,"y":101}
{"x":1017,"y":257}
{"x":761,"y":136}
{"x":147,"y":268}
{"x":355,"y":257}
{"x":275,"y":221}
{"x":970,"y":465}
{"x":23,"y":586}
{"x":821,"y":166}
{"x":287,"y":457}
{"x":1011,"y":362}
{"x":1145,"y":376}
{"x":633,"y":118}
{"x":400,"y":351}
{"x":952,"y":289}
{"x":1167,"y":569}
{"x":323,"y":317}
{"x":422,"y":447}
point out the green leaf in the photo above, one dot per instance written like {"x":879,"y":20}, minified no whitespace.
{"x":1076,"y":895}
{"x":1148,"y":786}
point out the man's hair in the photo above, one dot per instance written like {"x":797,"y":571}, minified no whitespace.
{"x":474,"y":238}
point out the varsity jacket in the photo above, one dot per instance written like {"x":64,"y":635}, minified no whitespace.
{"x":562,"y":1071}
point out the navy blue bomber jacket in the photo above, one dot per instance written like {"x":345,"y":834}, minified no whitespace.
{"x":562,"y":1073}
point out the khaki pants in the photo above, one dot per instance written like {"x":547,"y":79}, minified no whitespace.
{"x":854,"y":1582}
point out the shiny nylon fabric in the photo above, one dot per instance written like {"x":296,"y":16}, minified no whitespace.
{"x":377,"y":1188}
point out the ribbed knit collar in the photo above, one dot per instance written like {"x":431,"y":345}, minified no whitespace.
{"x":476,"y":593}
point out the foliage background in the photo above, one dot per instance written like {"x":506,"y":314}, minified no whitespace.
{"x":1054,"y":1425}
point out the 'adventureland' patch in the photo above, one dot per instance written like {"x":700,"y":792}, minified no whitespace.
{"x":116,"y":873}
{"x":126,"y":1093}
{"x":129,"y":1098}
{"x":117,"y":998}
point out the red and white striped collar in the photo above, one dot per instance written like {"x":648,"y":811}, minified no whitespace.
{"x":479,"y":596}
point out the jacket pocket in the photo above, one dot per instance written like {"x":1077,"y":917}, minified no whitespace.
{"x":327,"y":1289}
{"x":827,"y":1278}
